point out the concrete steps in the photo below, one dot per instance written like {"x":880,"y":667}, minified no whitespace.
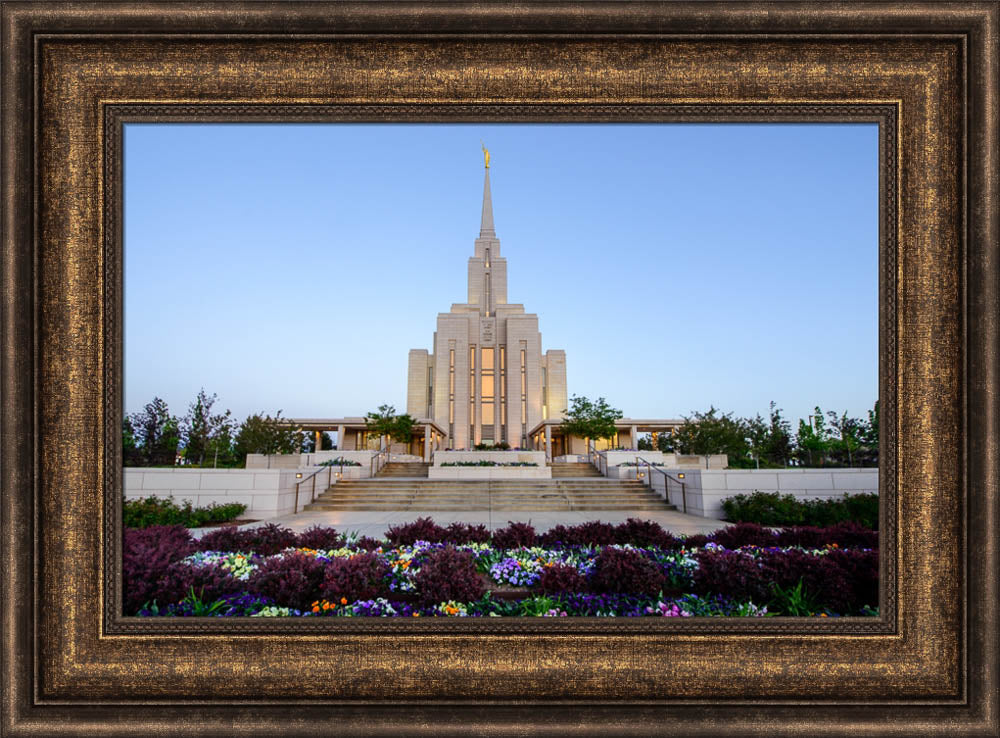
{"x":501,"y":495}
{"x":569,"y":469}
{"x":403,"y":469}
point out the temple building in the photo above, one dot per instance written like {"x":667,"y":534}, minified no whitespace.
{"x":486,"y":380}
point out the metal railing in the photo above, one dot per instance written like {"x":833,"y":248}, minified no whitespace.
{"x":379,"y":460}
{"x":598,"y":458}
{"x":667,"y":479}
{"x":312,"y":477}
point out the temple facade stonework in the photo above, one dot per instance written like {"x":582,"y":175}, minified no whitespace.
{"x":486,"y":379}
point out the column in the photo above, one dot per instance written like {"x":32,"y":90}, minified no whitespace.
{"x":635,"y":439}
{"x":319,"y":441}
{"x":427,"y":443}
{"x":548,"y":442}
{"x":340,"y":437}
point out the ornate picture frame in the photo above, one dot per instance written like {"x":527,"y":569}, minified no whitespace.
{"x":75,"y":74}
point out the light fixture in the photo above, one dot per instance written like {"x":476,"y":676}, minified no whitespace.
{"x":680,"y":476}
{"x":299,"y":475}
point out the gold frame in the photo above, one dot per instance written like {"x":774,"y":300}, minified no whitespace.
{"x":73,"y":74}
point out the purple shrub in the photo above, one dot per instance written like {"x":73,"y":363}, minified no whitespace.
{"x":806,"y":536}
{"x":744,"y":534}
{"x":270,"y":539}
{"x":694,"y":541}
{"x":210,"y":583}
{"x":421,"y":529}
{"x":593,"y":533}
{"x":821,"y":577}
{"x":459,"y":533}
{"x":146,"y":556}
{"x":515,"y":535}
{"x":319,"y":538}
{"x":861,"y":568}
{"x":849,"y":534}
{"x":629,"y":572}
{"x":559,"y":535}
{"x":367,"y":543}
{"x":561,"y":578}
{"x":731,"y":575}
{"x":645,"y":534}
{"x":293,"y":580}
{"x":360,"y":577}
{"x":449,"y":574}
{"x":225,"y":538}
{"x":265,"y":540}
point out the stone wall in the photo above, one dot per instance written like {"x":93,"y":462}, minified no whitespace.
{"x":705,"y":489}
{"x":503,"y":457}
{"x":266,"y":492}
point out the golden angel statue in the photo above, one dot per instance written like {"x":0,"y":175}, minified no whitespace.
{"x":486,"y":154}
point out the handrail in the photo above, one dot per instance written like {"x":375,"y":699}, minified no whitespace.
{"x":312,"y":496}
{"x":599,"y":458}
{"x":666,"y":488}
{"x":378,"y":460}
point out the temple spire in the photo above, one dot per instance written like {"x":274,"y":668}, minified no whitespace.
{"x":486,"y":227}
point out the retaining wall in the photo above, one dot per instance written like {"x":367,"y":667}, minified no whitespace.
{"x":705,"y":489}
{"x":266,"y":492}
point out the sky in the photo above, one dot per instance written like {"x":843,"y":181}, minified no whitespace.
{"x":680,"y":266}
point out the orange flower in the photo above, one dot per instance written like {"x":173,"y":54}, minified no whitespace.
{"x":416,"y":614}
{"x":315,"y":609}
{"x":343,"y":600}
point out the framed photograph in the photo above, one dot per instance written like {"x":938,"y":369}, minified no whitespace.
{"x":76,"y":76}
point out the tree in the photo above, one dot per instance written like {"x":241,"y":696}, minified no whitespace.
{"x":385,"y":423}
{"x":842,"y":448}
{"x":586,"y":419}
{"x":157,"y":434}
{"x":868,"y":451}
{"x":645,"y":443}
{"x":325,"y":442}
{"x":710,"y":433}
{"x":758,"y":435}
{"x":262,"y":434}
{"x":780,"y":445}
{"x":812,"y":440}
{"x":207,"y":437}
{"x":131,"y":452}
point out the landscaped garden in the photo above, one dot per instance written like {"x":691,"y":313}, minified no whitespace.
{"x":424,"y":570}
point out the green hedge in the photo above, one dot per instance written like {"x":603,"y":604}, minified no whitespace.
{"x":771,"y":508}
{"x":164,"y":511}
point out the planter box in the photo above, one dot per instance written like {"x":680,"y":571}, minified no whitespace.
{"x":489,"y":472}
{"x":537,"y":457}
{"x":265,"y":492}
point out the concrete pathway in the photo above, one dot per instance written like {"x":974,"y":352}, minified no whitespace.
{"x":374,"y":523}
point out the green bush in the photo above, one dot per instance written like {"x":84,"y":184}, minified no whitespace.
{"x":159,"y":511}
{"x":771,"y":508}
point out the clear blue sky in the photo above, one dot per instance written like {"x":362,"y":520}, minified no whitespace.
{"x":293,"y":267}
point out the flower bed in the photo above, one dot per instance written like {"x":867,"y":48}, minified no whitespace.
{"x":339,"y":461}
{"x":486,"y":462}
{"x":634,"y":569}
{"x":772,"y":508}
{"x":154,"y":510}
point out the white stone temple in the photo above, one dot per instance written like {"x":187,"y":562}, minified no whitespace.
{"x":486,"y":379}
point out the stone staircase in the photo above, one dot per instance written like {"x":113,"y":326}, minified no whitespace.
{"x":497,"y":495}
{"x":572,"y":470}
{"x":408,"y":469}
